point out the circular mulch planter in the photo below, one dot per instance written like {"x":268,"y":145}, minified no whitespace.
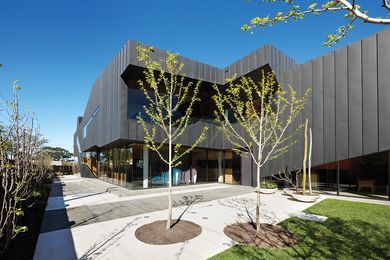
{"x":270,"y":236}
{"x":155,"y":233}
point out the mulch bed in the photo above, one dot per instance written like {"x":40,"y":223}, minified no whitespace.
{"x":270,"y":236}
{"x":23,"y":245}
{"x":155,"y":233}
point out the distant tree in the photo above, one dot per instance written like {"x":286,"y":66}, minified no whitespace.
{"x":352,"y":12}
{"x":166,"y":93}
{"x":58,"y":153}
{"x":262,"y":112}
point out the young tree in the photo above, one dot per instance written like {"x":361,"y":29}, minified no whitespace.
{"x":287,"y":176}
{"x":262,"y":113}
{"x":22,"y":167}
{"x":352,"y":12}
{"x":167,"y":92}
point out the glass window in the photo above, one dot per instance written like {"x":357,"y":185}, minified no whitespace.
{"x":214,"y":163}
{"x":103,"y":164}
{"x":232,"y":164}
{"x":137,"y":163}
{"x":136,"y":100}
{"x":158,"y":168}
{"x":94,"y":114}
{"x":199,"y":163}
{"x":183,"y":175}
{"x":129,"y":164}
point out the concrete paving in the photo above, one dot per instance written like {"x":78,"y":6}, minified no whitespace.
{"x":91,"y":219}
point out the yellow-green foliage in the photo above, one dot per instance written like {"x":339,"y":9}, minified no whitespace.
{"x":351,"y":13}
{"x":263,"y":111}
{"x":166,"y":91}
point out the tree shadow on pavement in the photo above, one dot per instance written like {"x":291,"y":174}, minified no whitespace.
{"x":186,"y":201}
{"x":246,"y":210}
{"x":108,"y":241}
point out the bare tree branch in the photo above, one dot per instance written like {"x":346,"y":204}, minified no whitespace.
{"x":354,"y":12}
{"x":386,"y":4}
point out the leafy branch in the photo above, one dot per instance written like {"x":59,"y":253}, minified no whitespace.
{"x":354,"y":12}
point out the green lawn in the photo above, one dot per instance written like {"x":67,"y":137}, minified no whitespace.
{"x":353,"y":230}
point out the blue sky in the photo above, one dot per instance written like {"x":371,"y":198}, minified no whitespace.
{"x":58,"y":48}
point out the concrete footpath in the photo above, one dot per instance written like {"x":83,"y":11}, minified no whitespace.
{"x":92,"y":219}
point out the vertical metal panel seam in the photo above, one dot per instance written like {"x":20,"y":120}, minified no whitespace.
{"x":377,"y":88}
{"x":323,"y":109}
{"x":361,"y":91}
{"x":348,"y":93}
{"x":312,"y":93}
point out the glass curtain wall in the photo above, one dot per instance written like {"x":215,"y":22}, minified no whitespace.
{"x":365,"y":175}
{"x":199,"y":165}
{"x":232,"y":165}
{"x":124,"y":166}
{"x":91,"y":160}
{"x":136,"y":165}
{"x":214,"y":165}
{"x":181,"y":174}
{"x":103,"y":165}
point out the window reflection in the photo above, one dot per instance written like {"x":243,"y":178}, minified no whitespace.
{"x":125,"y":166}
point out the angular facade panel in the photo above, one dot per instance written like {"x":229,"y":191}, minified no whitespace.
{"x":384,"y":89}
{"x":298,"y":146}
{"x":318,"y":112}
{"x":329,"y":109}
{"x":370,"y":95}
{"x":307,"y":85}
{"x":348,"y":107}
{"x":289,"y":156}
{"x":341,"y":95}
{"x":355,"y":104}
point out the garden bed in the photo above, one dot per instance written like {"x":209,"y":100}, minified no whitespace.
{"x":155,"y":233}
{"x":269,"y":236}
{"x":23,"y":245}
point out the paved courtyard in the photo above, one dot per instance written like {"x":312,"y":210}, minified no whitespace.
{"x":91,"y":219}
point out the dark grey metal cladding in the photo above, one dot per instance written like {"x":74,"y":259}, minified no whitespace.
{"x":279,"y":163}
{"x":349,"y":107}
{"x":260,"y":58}
{"x":329,"y":108}
{"x":237,"y":68}
{"x":318,"y":111}
{"x":252,"y":60}
{"x":214,"y":135}
{"x":266,"y":54}
{"x":307,"y":85}
{"x":289,"y":156}
{"x":384,"y":89}
{"x":355,"y":104}
{"x":370,"y":95}
{"x":298,"y":147}
{"x":245,"y":64}
{"x":341,"y":95}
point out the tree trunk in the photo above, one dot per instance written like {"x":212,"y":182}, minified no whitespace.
{"x":310,"y":147}
{"x":258,"y":200}
{"x":304,"y":161}
{"x":169,"y":220}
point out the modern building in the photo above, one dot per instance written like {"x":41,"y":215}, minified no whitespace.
{"x":348,"y":111}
